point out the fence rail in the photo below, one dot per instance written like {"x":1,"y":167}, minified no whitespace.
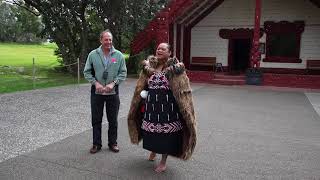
{"x":40,"y":75}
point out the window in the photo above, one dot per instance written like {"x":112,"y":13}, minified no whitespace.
{"x":283,"y":41}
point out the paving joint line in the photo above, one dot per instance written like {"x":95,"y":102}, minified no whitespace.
{"x":74,"y":167}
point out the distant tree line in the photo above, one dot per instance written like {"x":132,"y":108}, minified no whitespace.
{"x":19,"y":25}
{"x":74,"y":25}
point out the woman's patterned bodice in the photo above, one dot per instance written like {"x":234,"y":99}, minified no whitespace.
{"x":158,"y":81}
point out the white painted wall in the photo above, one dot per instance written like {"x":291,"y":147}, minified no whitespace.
{"x":205,"y":40}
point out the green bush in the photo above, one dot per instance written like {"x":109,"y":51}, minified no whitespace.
{"x":134,"y":62}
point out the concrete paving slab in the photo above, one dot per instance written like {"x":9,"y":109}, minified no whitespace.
{"x":72,"y":152}
{"x":33,"y":119}
{"x":244,"y":132}
{"x":25,"y":168}
{"x":314,"y":99}
{"x":5,"y":155}
{"x":258,"y":140}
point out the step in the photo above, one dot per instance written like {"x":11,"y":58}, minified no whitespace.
{"x":229,"y":81}
{"x":222,"y":76}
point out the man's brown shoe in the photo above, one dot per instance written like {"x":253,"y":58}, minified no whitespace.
{"x":95,"y":149}
{"x":114,"y":148}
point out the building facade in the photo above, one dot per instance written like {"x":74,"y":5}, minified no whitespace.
{"x":278,"y":36}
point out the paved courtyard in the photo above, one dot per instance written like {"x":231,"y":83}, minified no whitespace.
{"x":244,"y":132}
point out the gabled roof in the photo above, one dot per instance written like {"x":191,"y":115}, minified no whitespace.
{"x":187,"y":12}
{"x":161,"y":21}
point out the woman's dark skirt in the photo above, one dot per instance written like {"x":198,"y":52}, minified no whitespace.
{"x":161,"y":127}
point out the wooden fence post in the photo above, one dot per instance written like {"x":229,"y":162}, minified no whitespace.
{"x":33,"y":74}
{"x":78,"y":61}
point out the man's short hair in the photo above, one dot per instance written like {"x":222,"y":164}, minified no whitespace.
{"x":106,"y":31}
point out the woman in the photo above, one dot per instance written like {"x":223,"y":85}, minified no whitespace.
{"x":168,"y":125}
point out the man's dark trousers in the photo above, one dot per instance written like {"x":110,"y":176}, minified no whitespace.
{"x":112,"y":103}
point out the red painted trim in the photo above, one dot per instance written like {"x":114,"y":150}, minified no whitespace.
{"x":271,"y":27}
{"x":178,"y":41}
{"x":255,"y":53}
{"x":163,"y":28}
{"x":171,"y":37}
{"x":284,"y":70}
{"x":177,"y":8}
{"x":187,"y":13}
{"x":282,"y":60}
{"x":206,"y":13}
{"x":291,"y":71}
{"x":186,"y":46}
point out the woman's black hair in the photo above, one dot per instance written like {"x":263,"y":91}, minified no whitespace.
{"x":169,"y":47}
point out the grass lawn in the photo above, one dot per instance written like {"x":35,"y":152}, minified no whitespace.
{"x":16,"y":67}
{"x":21,"y":55}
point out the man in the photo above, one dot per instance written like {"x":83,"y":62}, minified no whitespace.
{"x":105,"y":69}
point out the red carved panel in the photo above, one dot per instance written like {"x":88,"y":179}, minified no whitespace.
{"x":162,"y":27}
{"x":255,"y":53}
{"x":171,"y":37}
{"x":281,"y":27}
{"x":178,"y":7}
{"x":158,"y":28}
{"x":178,"y":41}
{"x":284,"y":26}
{"x":186,"y":46}
{"x":239,"y":33}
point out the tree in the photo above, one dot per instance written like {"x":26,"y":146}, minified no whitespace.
{"x":75,"y":24}
{"x":29,"y":26}
{"x":141,"y":12}
{"x":65,"y":23}
{"x":7,"y":23}
{"x":18,"y":24}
